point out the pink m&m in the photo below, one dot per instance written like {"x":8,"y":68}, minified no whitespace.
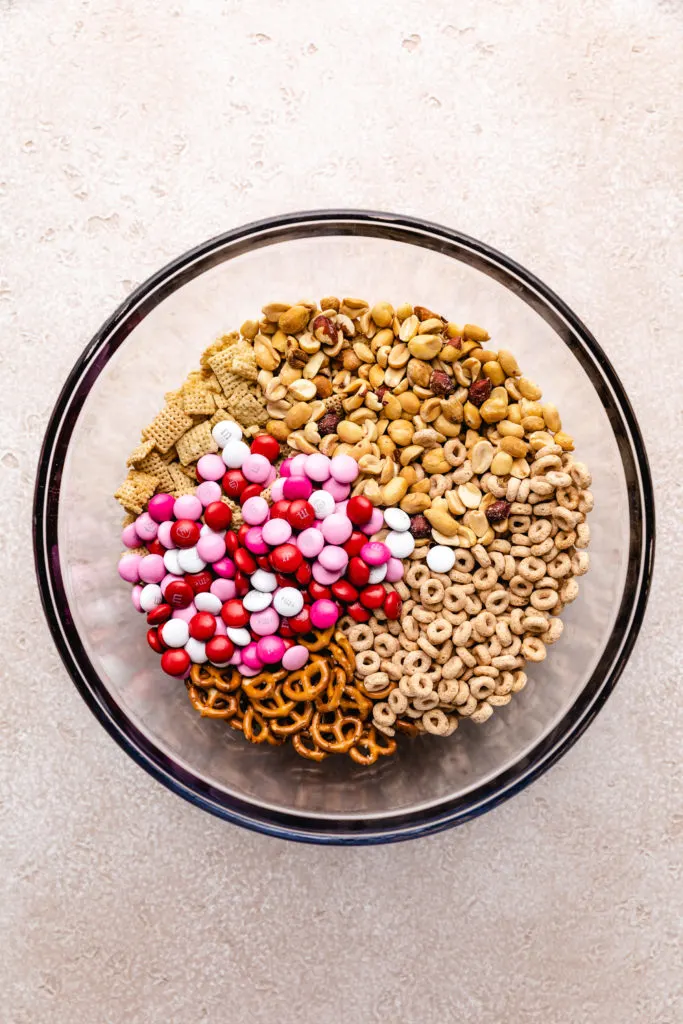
{"x":224,"y":567}
{"x":271,"y":649}
{"x":164,"y":534}
{"x":211,"y":547}
{"x":317,"y":467}
{"x":185,"y":614}
{"x":324,"y":576}
{"x":250,"y":656}
{"x":394,"y":570}
{"x":335,"y":559}
{"x":211,"y":467}
{"x":255,"y":510}
{"x":297,"y":487}
{"x":256,"y":468}
{"x":160,"y":507}
{"x":276,"y":531}
{"x":152,"y":569}
{"x":129,"y":536}
{"x":246,"y":671}
{"x":224,"y":589}
{"x":145,"y":527}
{"x":286,"y":467}
{"x":375,"y":523}
{"x":339,"y":491}
{"x":297,"y":465}
{"x":310,"y":542}
{"x":187,"y":507}
{"x":266,"y":622}
{"x":337,"y":528}
{"x":375,"y":553}
{"x":295,"y":658}
{"x":324,"y":613}
{"x":209,"y":491}
{"x":129,"y":566}
{"x":277,"y":490}
{"x":135,"y":597}
{"x":254,"y":541}
{"x":344,"y":468}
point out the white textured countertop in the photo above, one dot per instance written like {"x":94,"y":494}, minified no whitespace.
{"x":131,"y":131}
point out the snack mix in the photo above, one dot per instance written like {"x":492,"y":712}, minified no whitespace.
{"x":353,"y":524}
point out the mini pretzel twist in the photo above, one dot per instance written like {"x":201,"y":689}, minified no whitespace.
{"x":373,"y":745}
{"x":212,"y":703}
{"x":309,"y":682}
{"x":338,"y":735}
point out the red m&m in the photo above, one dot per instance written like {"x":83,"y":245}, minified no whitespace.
{"x":185,"y":533}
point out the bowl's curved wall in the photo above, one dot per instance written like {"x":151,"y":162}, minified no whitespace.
{"x":148,"y":348}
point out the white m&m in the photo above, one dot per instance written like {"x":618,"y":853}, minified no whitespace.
{"x":226,"y":431}
{"x":288,"y":601}
{"x":440,"y":558}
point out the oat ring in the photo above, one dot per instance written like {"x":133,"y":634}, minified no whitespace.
{"x":439,"y":631}
{"x":416,"y":576}
{"x":361,"y":638}
{"x":367,"y":662}
{"x":432,"y":592}
{"x":386,"y":645}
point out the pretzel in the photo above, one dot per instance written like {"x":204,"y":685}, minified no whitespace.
{"x":333,"y":694}
{"x":274,"y":707}
{"x":308,"y":682}
{"x":212,"y":703}
{"x":296,"y":721}
{"x":263,"y":685}
{"x":354,"y":699}
{"x":257,"y":730}
{"x":372,"y":745}
{"x":320,"y":639}
{"x":337,"y":736}
{"x":343,"y":653}
{"x":207,"y":676}
{"x":305,"y":746}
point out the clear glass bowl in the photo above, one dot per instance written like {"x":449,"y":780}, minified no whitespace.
{"x":148,"y":346}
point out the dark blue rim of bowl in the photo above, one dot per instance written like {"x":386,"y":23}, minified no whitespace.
{"x":640,"y":559}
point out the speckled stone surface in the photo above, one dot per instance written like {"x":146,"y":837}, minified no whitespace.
{"x":132,"y":131}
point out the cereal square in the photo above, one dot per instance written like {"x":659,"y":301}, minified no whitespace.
{"x":170,"y":424}
{"x":196,"y":442}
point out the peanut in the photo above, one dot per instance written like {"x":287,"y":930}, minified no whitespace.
{"x":298,"y":415}
{"x":425,"y":346}
{"x":293,"y":319}
{"x":401,"y":431}
{"x":349,"y":432}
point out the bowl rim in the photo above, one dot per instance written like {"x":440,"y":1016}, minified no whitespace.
{"x":112,"y":334}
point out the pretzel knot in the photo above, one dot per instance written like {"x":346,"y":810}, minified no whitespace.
{"x":256,"y":728}
{"x":274,"y":707}
{"x":318,"y":641}
{"x":372,"y":745}
{"x":309,"y":682}
{"x":330,"y":700}
{"x":305,"y":746}
{"x":298,"y":720}
{"x":354,"y":699}
{"x":211,"y":703}
{"x":335,"y":733}
{"x":263,"y":685}
{"x":225,"y":679}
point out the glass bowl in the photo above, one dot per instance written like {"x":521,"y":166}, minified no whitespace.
{"x":148,"y":346}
